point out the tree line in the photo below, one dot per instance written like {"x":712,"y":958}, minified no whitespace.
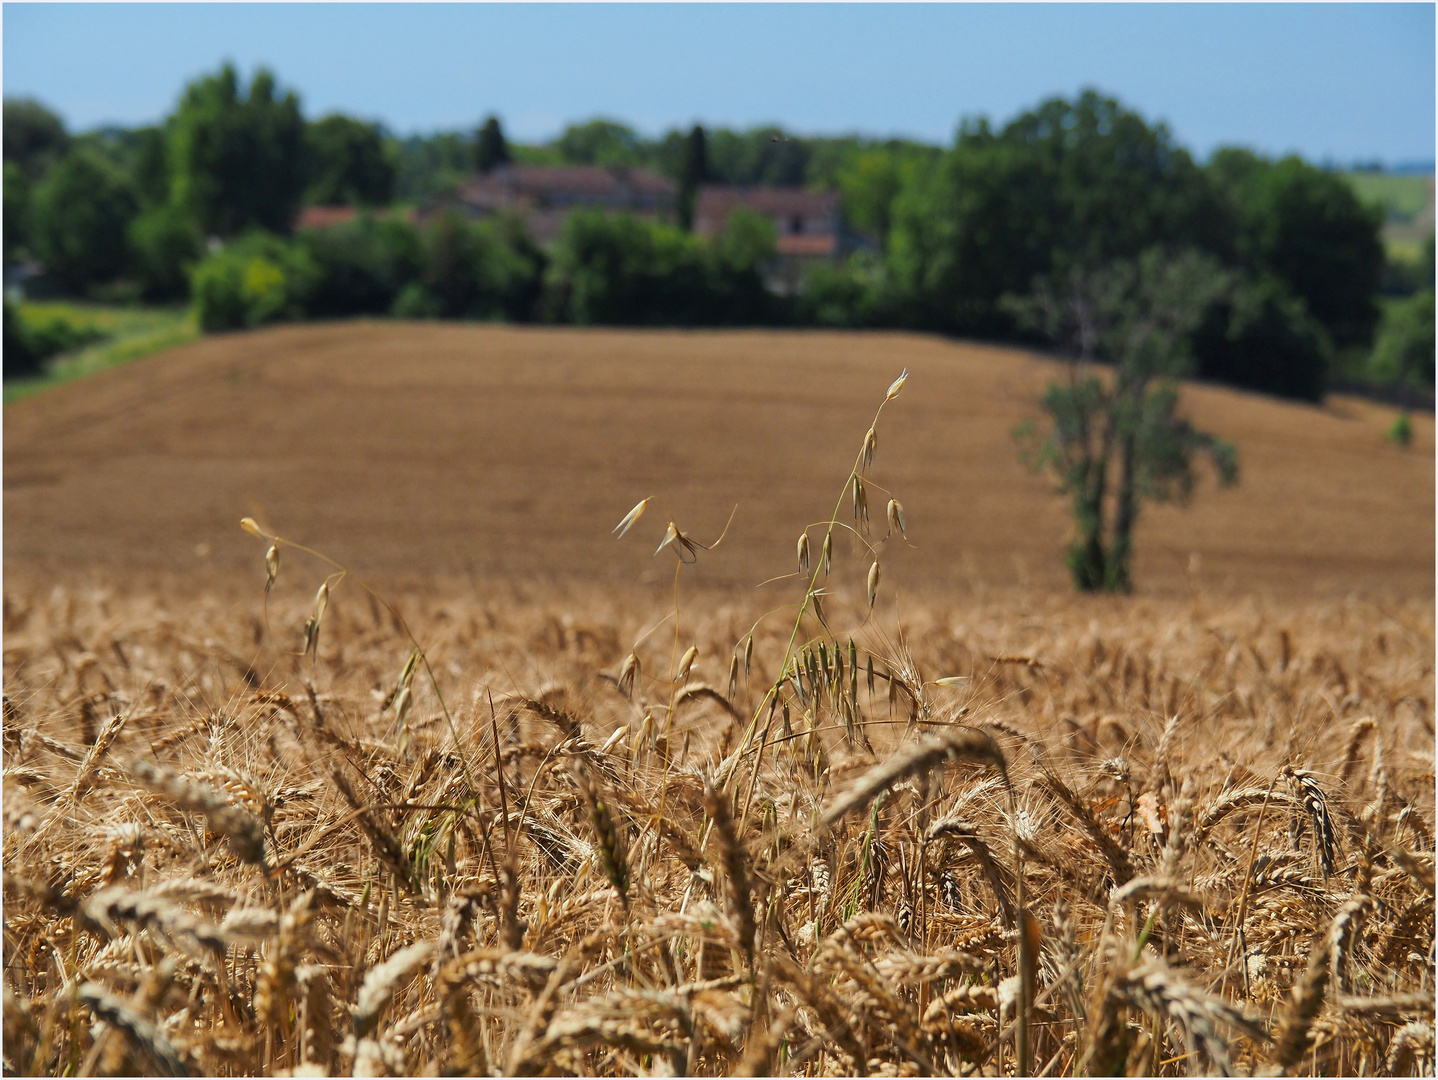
{"x":202,"y":206}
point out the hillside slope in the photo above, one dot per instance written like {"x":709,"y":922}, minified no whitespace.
{"x":411,"y":450}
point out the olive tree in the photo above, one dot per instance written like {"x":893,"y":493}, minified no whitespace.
{"x":1115,"y":439}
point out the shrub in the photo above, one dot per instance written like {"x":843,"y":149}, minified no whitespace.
{"x":488,"y":270}
{"x":20,"y":360}
{"x":256,"y":280}
{"x":348,"y":163}
{"x":82,"y":211}
{"x":164,"y":247}
{"x":620,"y":270}
{"x":1404,"y":351}
{"x":416,"y":302}
{"x":1261,"y":336}
{"x":17,"y":212}
{"x":32,"y":337}
{"x":847,"y":293}
{"x":361,"y":266}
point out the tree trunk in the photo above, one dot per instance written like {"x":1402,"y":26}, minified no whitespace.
{"x":1086,"y":554}
{"x":1117,"y":577}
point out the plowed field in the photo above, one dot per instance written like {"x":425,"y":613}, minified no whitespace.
{"x":415,"y":450}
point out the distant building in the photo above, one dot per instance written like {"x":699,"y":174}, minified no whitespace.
{"x":808,"y":226}
{"x":322,"y":217}
{"x":543,"y":195}
{"x":31,"y":281}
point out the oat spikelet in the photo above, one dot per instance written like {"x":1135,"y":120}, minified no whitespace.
{"x":312,"y":624}
{"x":897,"y":385}
{"x":272,"y":567}
{"x":629,"y":673}
{"x":686,"y":662}
{"x":898,"y":523}
{"x":873,"y":587}
{"x":628,"y":520}
{"x":803,"y":552}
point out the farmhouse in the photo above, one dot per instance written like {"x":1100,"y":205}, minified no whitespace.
{"x":322,"y":216}
{"x":545,"y":194}
{"x":808,"y":226}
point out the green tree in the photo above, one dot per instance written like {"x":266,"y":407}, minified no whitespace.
{"x":348,"y":164}
{"x":1403,"y":354}
{"x":620,"y":270}
{"x":485,"y":270}
{"x":693,"y":174}
{"x":766,"y":155}
{"x":1259,"y":335}
{"x":1112,"y":443}
{"x":150,"y":167}
{"x":237,"y":163}
{"x":870,"y":182}
{"x":164,"y":248}
{"x":1306,"y":226}
{"x":490,"y":148}
{"x":20,"y":359}
{"x":363,"y":265}
{"x":257,"y":279}
{"x":34,"y":137}
{"x":82,"y":212}
{"x":599,"y":142}
{"x":1070,"y":183}
{"x":17,"y":212}
{"x":427,"y":166}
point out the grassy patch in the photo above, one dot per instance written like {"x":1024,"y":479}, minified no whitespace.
{"x":1407,"y":205}
{"x":1401,"y":197}
{"x":116,"y":335}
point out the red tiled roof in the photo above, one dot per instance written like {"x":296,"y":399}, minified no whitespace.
{"x":540,"y":183}
{"x":322,"y":217}
{"x":811,"y":244}
{"x":718,"y":201}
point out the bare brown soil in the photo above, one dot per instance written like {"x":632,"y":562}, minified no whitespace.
{"x":420,"y":450}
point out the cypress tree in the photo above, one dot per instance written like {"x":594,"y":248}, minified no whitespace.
{"x":695,"y":172}
{"x":490,"y":151}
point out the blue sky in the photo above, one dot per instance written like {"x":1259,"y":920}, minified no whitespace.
{"x":1332,"y":81}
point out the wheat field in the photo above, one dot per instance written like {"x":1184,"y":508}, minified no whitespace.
{"x":307,"y":825}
